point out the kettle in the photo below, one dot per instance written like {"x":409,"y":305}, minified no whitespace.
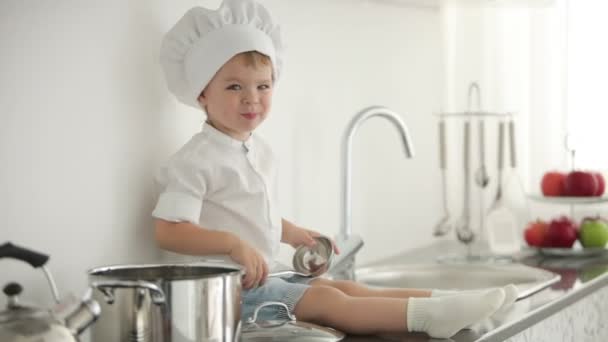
{"x":21,"y":323}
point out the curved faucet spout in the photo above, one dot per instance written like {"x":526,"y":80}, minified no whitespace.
{"x":355,"y":123}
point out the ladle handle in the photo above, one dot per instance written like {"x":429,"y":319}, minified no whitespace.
{"x":467,"y":159}
{"x":512,"y":143}
{"x":442,"y":147}
{"x":501,"y":139}
{"x":287,"y":273}
{"x":482,"y":143}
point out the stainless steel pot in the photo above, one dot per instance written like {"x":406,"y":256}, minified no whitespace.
{"x":167,"y":303}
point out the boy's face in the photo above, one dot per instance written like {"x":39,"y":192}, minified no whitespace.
{"x":238,"y":98}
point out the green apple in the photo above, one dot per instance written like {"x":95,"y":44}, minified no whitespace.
{"x":593,"y":232}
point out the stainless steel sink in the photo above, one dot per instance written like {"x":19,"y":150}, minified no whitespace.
{"x":458,"y":276}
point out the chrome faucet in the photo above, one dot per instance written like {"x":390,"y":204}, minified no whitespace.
{"x":344,"y":264}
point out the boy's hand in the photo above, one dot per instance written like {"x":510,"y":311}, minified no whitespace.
{"x":300,"y":236}
{"x":255,"y":266}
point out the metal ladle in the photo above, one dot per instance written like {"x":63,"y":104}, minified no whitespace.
{"x":289,"y":273}
{"x":481,"y":175}
{"x":498,"y":197}
{"x":444,"y":225}
{"x":310,"y":261}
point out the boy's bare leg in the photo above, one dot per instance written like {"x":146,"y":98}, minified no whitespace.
{"x":439,"y":317}
{"x":355,"y":289}
{"x":331,"y":307}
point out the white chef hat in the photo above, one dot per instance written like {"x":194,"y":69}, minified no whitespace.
{"x":203,"y":40}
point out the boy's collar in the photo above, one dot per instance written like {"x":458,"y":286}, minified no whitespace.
{"x":224,"y":138}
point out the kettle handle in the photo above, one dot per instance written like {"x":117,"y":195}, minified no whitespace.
{"x":35,"y":259}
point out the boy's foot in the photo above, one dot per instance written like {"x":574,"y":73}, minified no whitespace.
{"x":511,"y":294}
{"x":442,"y":317}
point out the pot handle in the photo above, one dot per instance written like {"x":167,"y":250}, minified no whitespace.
{"x":254,"y":318}
{"x":107,"y":288}
{"x":237,"y":334}
{"x":35,"y":259}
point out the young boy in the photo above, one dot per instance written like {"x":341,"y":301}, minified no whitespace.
{"x":219,"y":194}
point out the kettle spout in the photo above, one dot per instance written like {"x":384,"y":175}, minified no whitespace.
{"x":84,"y":315}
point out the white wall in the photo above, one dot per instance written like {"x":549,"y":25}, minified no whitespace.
{"x":86,"y":120}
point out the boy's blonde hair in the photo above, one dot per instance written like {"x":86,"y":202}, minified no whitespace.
{"x":255,"y":59}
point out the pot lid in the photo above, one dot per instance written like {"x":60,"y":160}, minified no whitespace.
{"x":287,"y":330}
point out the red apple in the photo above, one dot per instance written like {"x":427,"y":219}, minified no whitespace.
{"x":581,"y":183}
{"x":553,"y":183}
{"x":535,"y":233}
{"x":562,"y":232}
{"x":601,"y":184}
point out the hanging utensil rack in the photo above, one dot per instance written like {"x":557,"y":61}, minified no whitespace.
{"x":466,"y":116}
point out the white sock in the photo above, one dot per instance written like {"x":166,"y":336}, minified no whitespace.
{"x":511,"y":294}
{"x":442,"y":317}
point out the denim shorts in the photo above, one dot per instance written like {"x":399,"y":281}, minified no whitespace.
{"x":287,"y":290}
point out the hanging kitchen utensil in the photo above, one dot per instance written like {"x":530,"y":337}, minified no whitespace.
{"x":514,"y":191}
{"x":501,"y":224}
{"x":286,"y":330}
{"x":444,"y":225}
{"x":21,"y":323}
{"x":500,"y":167}
{"x":481,"y":175}
{"x":482,"y":179}
{"x":463,"y":229}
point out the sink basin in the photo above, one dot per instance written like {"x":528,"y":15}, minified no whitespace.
{"x":458,"y":276}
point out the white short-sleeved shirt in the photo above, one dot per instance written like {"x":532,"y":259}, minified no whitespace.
{"x":220,"y":183}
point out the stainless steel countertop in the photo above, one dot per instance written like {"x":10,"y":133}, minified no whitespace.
{"x":580,"y":277}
